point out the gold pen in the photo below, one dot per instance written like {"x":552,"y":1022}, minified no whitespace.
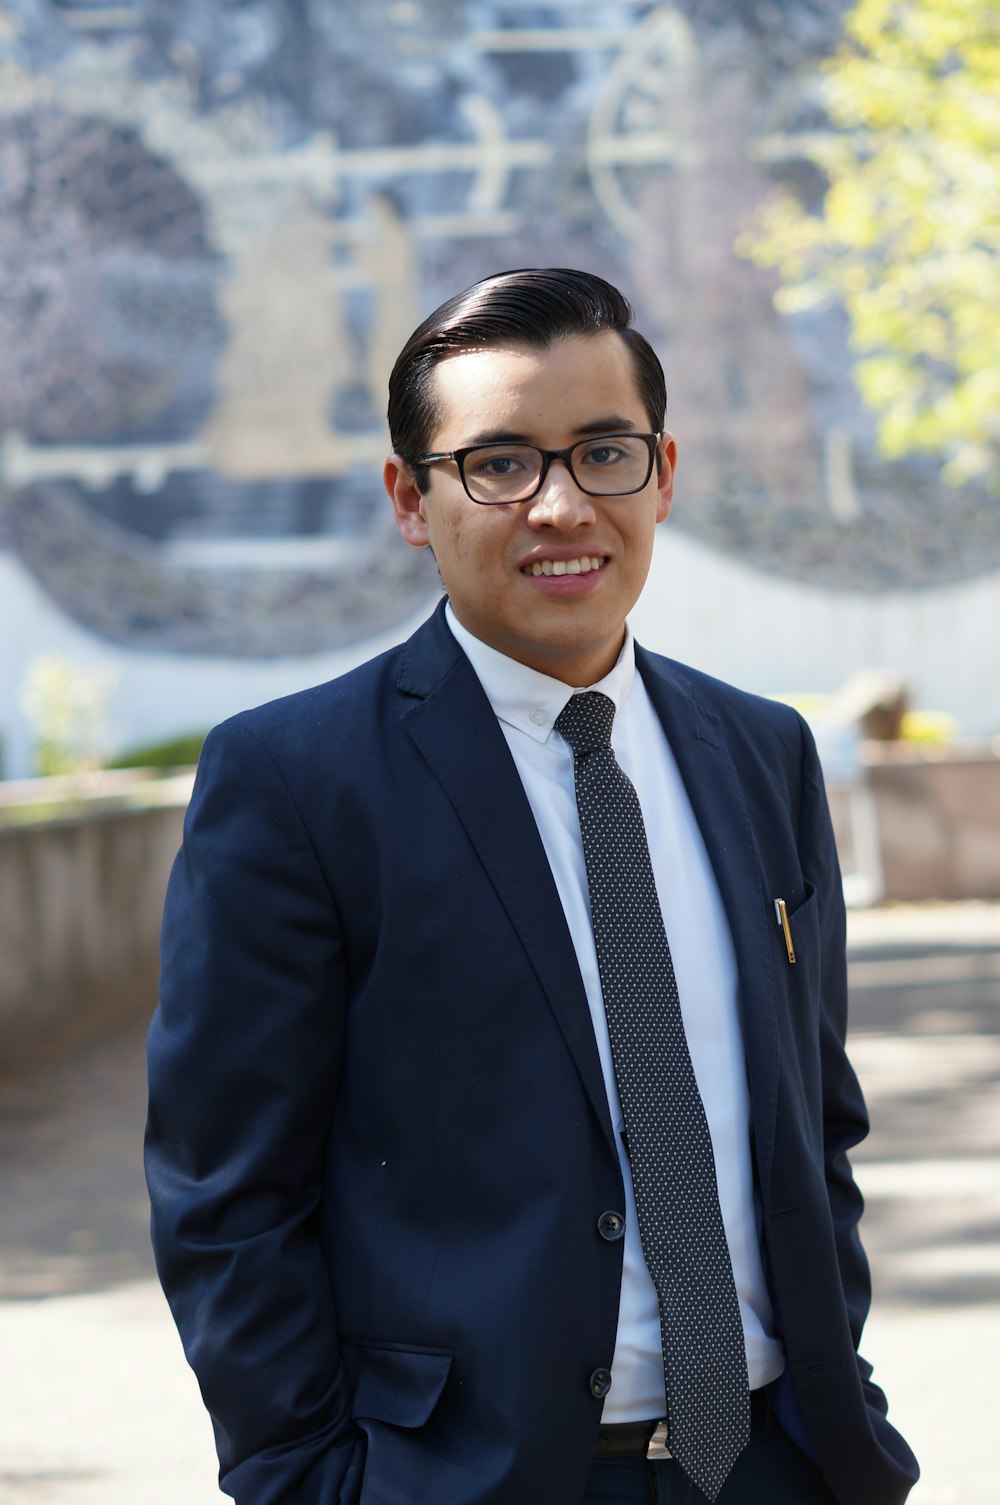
{"x":781,"y":911}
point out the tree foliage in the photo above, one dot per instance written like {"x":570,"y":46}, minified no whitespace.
{"x":908,"y":238}
{"x":68,"y":705}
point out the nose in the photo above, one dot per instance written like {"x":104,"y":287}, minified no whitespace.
{"x":560,"y":503}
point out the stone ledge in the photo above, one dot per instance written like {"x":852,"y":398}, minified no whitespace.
{"x":81,"y":898}
{"x":923,"y":823}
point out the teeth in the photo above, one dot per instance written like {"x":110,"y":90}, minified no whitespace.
{"x":581,"y":566}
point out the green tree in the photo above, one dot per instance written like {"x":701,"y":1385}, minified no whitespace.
{"x":68,"y":706}
{"x":908,"y":239}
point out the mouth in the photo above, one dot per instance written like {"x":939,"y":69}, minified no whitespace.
{"x":582,"y":564}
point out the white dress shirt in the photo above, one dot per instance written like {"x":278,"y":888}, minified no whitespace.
{"x":527,"y":704}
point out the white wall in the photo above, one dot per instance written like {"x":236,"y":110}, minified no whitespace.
{"x":773,"y":636}
{"x":156,"y":696}
{"x":758,"y":631}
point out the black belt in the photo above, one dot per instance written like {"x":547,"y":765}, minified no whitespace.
{"x":633,"y":1439}
{"x":648,"y":1439}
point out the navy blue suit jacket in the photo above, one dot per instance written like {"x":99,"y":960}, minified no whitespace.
{"x":379,"y":1142}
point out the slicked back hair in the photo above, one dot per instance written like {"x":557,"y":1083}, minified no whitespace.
{"x":533,"y":307}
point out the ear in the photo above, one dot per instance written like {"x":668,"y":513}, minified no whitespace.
{"x":666,"y":466}
{"x":407,"y":501}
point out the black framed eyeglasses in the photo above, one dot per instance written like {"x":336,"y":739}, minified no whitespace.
{"x":606,"y":465}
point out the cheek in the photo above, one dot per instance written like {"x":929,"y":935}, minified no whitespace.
{"x":473,"y":542}
{"x":458,"y":539}
{"x":445,"y":534}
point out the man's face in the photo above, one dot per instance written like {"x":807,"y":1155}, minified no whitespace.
{"x":568,"y":625}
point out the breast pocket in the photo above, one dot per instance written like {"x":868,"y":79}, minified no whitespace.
{"x":797,"y":936}
{"x":799,"y":913}
{"x":806,"y":905}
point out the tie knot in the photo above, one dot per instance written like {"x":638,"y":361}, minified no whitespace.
{"x":586,"y":721}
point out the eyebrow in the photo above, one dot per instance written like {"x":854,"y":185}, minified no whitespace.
{"x":614,"y":424}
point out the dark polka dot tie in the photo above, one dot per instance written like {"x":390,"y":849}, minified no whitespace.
{"x":673,"y":1169}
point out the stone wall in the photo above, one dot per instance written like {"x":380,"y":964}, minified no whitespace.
{"x":80,"y":905}
{"x":938,"y":821}
{"x":81,"y":896}
{"x":920,"y":825}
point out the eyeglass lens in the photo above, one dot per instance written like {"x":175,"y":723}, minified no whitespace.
{"x":601,"y":467}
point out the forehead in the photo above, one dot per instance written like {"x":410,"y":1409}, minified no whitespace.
{"x":540,"y":393}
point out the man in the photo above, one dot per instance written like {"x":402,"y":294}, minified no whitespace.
{"x":499,"y":1103}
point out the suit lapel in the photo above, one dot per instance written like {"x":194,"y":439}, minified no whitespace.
{"x":719,"y":801}
{"x":452,"y":723}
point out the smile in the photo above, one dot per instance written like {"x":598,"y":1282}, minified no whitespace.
{"x":582,"y":566}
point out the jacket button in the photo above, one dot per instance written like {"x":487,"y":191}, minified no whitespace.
{"x":611,"y":1226}
{"x":600,"y":1383}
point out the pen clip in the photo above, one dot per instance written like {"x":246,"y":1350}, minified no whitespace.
{"x":781,"y":914}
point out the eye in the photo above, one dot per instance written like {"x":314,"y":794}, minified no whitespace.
{"x":495,"y":464}
{"x":604,"y":452}
{"x":500,"y":465}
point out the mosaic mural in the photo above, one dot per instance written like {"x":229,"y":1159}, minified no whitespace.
{"x":219,"y":221}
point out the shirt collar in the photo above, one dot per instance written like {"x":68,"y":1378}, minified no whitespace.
{"x":526,"y":699}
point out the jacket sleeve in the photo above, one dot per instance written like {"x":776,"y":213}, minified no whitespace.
{"x":845,"y":1118}
{"x":244,"y":1056}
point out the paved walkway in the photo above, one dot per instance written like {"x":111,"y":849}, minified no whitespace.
{"x":100,"y":1409}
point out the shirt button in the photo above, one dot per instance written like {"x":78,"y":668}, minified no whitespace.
{"x":600,"y":1383}
{"x":611,"y":1226}
{"x":538,"y":717}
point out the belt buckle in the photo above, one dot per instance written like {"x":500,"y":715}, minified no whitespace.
{"x":656,"y":1449}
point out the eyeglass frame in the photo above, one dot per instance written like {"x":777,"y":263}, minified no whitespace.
{"x":548,"y":455}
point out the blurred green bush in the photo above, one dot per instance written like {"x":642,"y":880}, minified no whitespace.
{"x":177,"y":752}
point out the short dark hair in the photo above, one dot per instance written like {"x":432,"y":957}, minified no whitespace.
{"x":532,"y":306}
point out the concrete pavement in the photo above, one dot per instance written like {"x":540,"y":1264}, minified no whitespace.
{"x":925,"y":1040}
{"x":100,"y":1407}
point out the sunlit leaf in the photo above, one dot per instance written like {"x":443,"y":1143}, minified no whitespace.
{"x":908,"y":239}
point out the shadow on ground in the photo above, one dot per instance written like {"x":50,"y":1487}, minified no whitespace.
{"x":76,"y":1217}
{"x":925,"y":1038}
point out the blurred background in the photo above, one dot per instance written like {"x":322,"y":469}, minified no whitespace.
{"x":218,"y":224}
